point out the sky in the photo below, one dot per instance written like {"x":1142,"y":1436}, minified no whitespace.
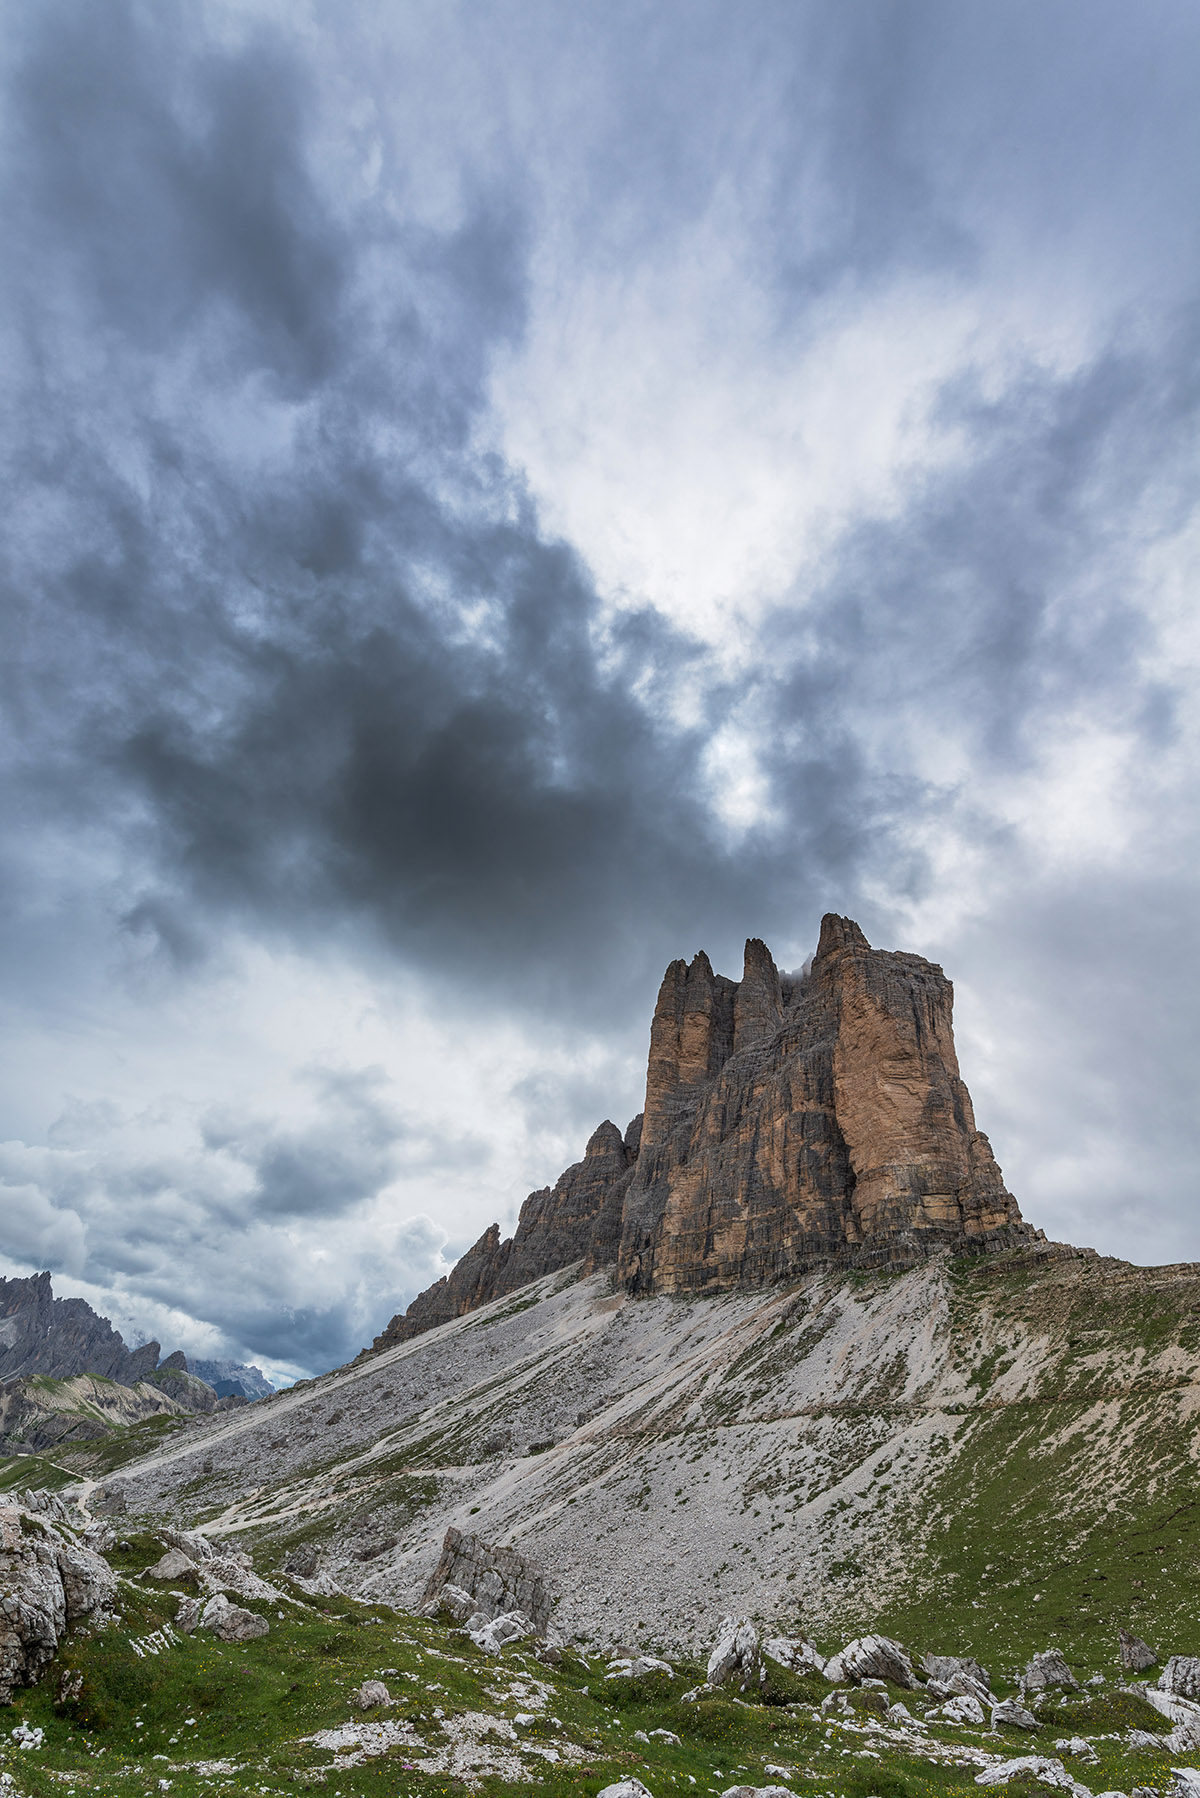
{"x":501,"y":495}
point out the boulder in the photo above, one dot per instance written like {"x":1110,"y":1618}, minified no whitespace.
{"x":794,"y":1653}
{"x":230,"y":1621}
{"x":497,"y":1580}
{"x":1079,"y":1747}
{"x":1186,"y":1782}
{"x":956,"y":1676}
{"x":493,"y":1633}
{"x":459,"y":1604}
{"x":89,"y":1583}
{"x":756,"y":1792}
{"x":966,"y":1708}
{"x":192,"y":1543}
{"x":187,"y":1616}
{"x":872,"y":1657}
{"x":735,"y":1653}
{"x":173,"y":1565}
{"x":1183,"y":1713}
{"x":1181,"y":1675}
{"x":218,"y":1570}
{"x":637,"y":1666}
{"x":1136,"y":1655}
{"x":371,"y":1693}
{"x":626,"y":1788}
{"x":1046,"y":1670}
{"x":1038,"y":1766}
{"x":1013,"y":1712}
{"x":233,"y":1573}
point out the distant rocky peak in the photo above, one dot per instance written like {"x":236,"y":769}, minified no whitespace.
{"x":60,"y":1338}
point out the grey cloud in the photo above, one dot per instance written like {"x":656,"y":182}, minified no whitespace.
{"x":171,"y":175}
{"x":81,"y":1122}
{"x":356,"y":1143}
{"x":356,"y":685}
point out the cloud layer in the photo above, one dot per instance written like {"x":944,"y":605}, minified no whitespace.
{"x":495,"y":504}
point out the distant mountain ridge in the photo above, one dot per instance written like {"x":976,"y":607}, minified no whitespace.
{"x":60,"y":1338}
{"x":232,"y":1379}
{"x":66,"y":1373}
{"x":790,"y":1123}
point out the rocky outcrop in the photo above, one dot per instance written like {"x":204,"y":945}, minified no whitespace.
{"x":579,"y":1218}
{"x":1136,"y":1655}
{"x":232,"y":1622}
{"x":872,"y":1657}
{"x":1046,"y":1670}
{"x":496,"y":1580}
{"x":790,"y":1122}
{"x":48,"y":1582}
{"x":845,"y":1135}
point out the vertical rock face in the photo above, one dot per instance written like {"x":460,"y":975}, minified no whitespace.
{"x":788,"y":1122}
{"x":691,"y":1037}
{"x":843,"y":1134}
{"x":758,"y":998}
{"x":495,"y":1579}
{"x":47,"y":1582}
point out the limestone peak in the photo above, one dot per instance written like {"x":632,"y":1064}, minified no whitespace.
{"x":787,"y":1125}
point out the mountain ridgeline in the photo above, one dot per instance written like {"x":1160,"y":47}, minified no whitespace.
{"x":67,"y":1375}
{"x":789,"y":1124}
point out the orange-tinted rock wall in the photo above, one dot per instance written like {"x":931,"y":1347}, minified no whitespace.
{"x":787,"y":1123}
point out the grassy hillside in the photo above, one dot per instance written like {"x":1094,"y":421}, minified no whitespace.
{"x":977,"y":1457}
{"x":137,"y":1704}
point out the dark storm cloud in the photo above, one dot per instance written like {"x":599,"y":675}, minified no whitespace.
{"x":345,"y":679}
{"x":173,"y":177}
{"x":1005,"y":591}
{"x":348,"y":677}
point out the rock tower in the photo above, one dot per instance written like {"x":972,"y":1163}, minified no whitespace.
{"x":789,"y":1123}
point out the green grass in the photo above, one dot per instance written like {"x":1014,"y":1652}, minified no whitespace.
{"x":37,"y":1471}
{"x":129,"y":1719}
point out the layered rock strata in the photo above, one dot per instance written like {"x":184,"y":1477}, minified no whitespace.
{"x":494,"y":1579}
{"x":789,"y":1122}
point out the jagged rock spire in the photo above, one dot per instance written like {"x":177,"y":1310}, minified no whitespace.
{"x":828,"y":1126}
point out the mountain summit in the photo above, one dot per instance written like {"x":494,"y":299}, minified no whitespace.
{"x":790,"y":1123}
